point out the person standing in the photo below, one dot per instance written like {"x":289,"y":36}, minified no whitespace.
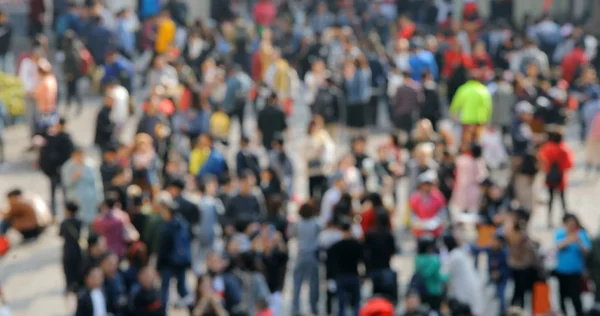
{"x":46,"y":95}
{"x":92,"y":300}
{"x":5,"y":40}
{"x":573,"y":245}
{"x":105,"y":128}
{"x":165,"y":33}
{"x":347,"y":254}
{"x":271,"y":121}
{"x":37,"y":10}
{"x":406,"y":103}
{"x":556,"y":159}
{"x":70,"y":231}
{"x":98,"y":40}
{"x":28,"y":74}
{"x":464,"y":283}
{"x":174,"y":251}
{"x":307,"y":268}
{"x":474,"y":102}
{"x":72,"y":67}
{"x":53,"y":155}
{"x":470,"y":171}
{"x":83,"y":184}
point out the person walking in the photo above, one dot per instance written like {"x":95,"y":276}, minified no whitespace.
{"x":347,"y":254}
{"x":45,"y":96}
{"x":28,"y":75}
{"x":72,"y":68}
{"x":573,"y":245}
{"x":307,"y":266}
{"x":556,"y":159}
{"x":174,"y":251}
{"x":83,"y":184}
{"x":271,"y":121}
{"x":53,"y":155}
{"x":474,"y":103}
{"x":70,"y":231}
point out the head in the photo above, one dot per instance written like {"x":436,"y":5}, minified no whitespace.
{"x":165,"y":205}
{"x":555,"y":137}
{"x":94,"y":278}
{"x":247,"y":181}
{"x":450,"y":242}
{"x":175,"y":187}
{"x":215,"y":262}
{"x":44,"y":67}
{"x":476,"y":151}
{"x":318,"y":66}
{"x":147,"y":277}
{"x":244,"y":142}
{"x":359,"y":145}
{"x":71,"y":209}
{"x":96,"y":244}
{"x":109,"y":264}
{"x":426,"y":246}
{"x":209,"y":185}
{"x":571,"y":222}
{"x":423,"y":152}
{"x":204,"y":141}
{"x":78,"y":155}
{"x":307,"y":210}
{"x":14,"y":196}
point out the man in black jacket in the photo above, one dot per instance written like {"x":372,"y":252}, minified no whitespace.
{"x":105,"y":128}
{"x":92,"y":301}
{"x":184,"y":207}
{"x":271,"y":121}
{"x":5,"y":40}
{"x":56,"y":151}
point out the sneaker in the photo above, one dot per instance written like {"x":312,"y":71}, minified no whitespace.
{"x":186,"y":301}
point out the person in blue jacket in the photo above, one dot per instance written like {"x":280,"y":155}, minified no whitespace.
{"x":215,"y":163}
{"x":573,"y":244}
{"x":498,"y":269}
{"x":98,"y":41}
{"x":422,"y":61}
{"x":120,"y":68}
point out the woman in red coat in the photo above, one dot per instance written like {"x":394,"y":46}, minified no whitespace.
{"x":556,"y":159}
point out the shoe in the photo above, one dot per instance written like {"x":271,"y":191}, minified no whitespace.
{"x":186,"y":301}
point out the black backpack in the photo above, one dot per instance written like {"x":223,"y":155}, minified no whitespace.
{"x":554,"y":176}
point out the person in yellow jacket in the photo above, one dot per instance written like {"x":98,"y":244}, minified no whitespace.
{"x":165,"y":34}
{"x":198,"y":157}
{"x":472,"y":104}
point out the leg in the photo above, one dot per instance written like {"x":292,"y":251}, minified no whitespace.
{"x":165,"y":276}
{"x":341,"y":295}
{"x":355,"y":296}
{"x":298,"y":276}
{"x":574,"y":292}
{"x":501,"y":294}
{"x":563,"y":201}
{"x":182,"y":288}
{"x":53,"y":186}
{"x":518,"y":298}
{"x":314,"y":287}
{"x":70,"y":92}
{"x":550,"y":202}
{"x":562,"y":292}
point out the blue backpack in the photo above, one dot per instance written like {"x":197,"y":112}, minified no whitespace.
{"x":181,"y":254}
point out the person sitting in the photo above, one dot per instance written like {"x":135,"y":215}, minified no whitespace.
{"x":26,"y":213}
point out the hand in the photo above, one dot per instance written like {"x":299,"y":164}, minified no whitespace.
{"x":76,"y":174}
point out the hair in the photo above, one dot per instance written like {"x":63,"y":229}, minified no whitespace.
{"x":450,"y":242}
{"x":111,"y":199}
{"x":137,"y":254}
{"x":177,"y":183}
{"x":476,"y":150}
{"x":307,"y":210}
{"x":555,"y":137}
{"x":203,"y":183}
{"x":72,"y":207}
{"x":425,"y":245}
{"x":14,"y":193}
{"x":382,"y":218}
{"x":93,"y":239}
{"x":571,"y":217}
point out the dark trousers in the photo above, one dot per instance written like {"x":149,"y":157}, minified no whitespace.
{"x":570,"y":287}
{"x":166,"y":274}
{"x":72,"y":93}
{"x":523,"y":279}
{"x":317,"y":185}
{"x":348,"y":291}
{"x":238,"y":113}
{"x":35,"y":28}
{"x":54,"y":185}
{"x":71,"y":268}
{"x":372,"y":110}
{"x":561,"y":194}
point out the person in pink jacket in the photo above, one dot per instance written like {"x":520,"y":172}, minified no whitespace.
{"x":470,"y":171}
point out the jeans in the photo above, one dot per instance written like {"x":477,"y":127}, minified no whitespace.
{"x":306,"y":269}
{"x":166,"y":274}
{"x":348,"y":288}
{"x":54,"y":185}
{"x":501,"y":293}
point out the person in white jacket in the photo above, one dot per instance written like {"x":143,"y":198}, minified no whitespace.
{"x":464,"y":284}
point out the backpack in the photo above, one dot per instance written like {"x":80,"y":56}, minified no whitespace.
{"x":417,"y":283}
{"x":86,"y":62}
{"x":554,"y":176}
{"x":181,"y":253}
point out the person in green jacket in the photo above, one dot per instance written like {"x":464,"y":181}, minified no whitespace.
{"x":428,"y":266}
{"x":473,"y":101}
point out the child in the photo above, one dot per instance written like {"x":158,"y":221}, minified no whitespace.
{"x":70,"y":231}
{"x":498,"y":268}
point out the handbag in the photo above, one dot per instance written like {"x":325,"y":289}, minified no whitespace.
{"x":541,"y":298}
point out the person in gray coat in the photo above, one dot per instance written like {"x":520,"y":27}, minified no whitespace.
{"x":503,"y":100}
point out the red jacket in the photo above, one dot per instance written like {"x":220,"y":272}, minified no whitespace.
{"x":407,"y":31}
{"x":551,"y":153}
{"x":452,"y":59}
{"x":572,"y":62}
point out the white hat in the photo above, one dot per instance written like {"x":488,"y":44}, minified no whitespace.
{"x":524,"y":107}
{"x":428,"y":176}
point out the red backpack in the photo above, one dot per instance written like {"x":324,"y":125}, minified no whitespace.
{"x":87,"y":62}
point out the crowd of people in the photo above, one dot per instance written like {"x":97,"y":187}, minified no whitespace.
{"x":475,"y":110}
